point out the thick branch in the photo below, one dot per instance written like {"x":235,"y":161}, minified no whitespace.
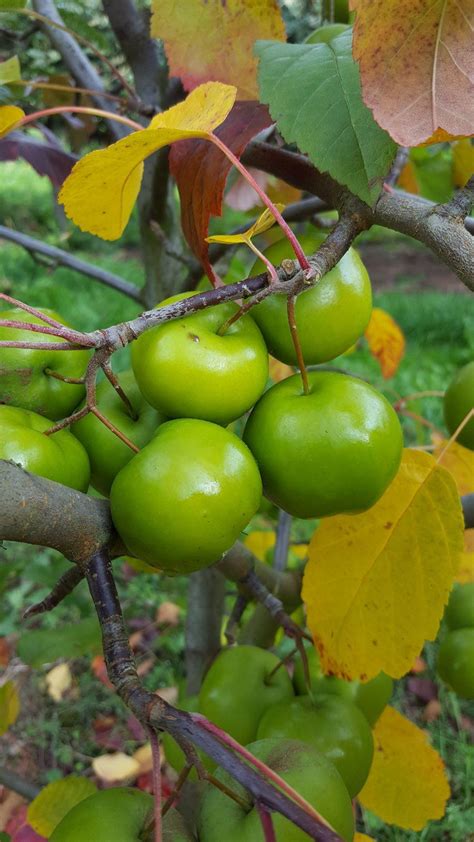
{"x":18,"y":784}
{"x":38,"y":511}
{"x":77,"y":63}
{"x":440,"y":228}
{"x":62,"y":258}
{"x":155,"y":712}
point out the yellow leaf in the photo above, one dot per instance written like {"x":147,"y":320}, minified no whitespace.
{"x":10,"y":70}
{"x":9,"y":705}
{"x":459,"y":461}
{"x":386,"y":341}
{"x":362,"y":837}
{"x":407,"y":784}
{"x":259,"y":542}
{"x":463,"y":161}
{"x":376,"y":583}
{"x":10,"y":117}
{"x":58,"y":681}
{"x":116,"y":768}
{"x":265,"y":221}
{"x":55,"y":801}
{"x":466,"y":568}
{"x":100,"y":192}
{"x":144,"y":758}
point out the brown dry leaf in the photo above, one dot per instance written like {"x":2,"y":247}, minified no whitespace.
{"x":9,"y":805}
{"x":116,"y":768}
{"x":59,"y":681}
{"x":145,"y":666}
{"x":416,"y":66}
{"x":100,"y":671}
{"x":386,"y":341}
{"x":4,"y":652}
{"x":168,"y":614}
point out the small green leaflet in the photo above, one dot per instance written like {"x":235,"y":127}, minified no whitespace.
{"x":10,"y":70}
{"x":314,"y":95}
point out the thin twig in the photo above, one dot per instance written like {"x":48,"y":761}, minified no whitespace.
{"x":66,"y":584}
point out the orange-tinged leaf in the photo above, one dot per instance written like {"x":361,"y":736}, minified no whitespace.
{"x":463,"y":161}
{"x":209,"y":39}
{"x":386,"y":341}
{"x":56,"y":800}
{"x":9,"y":705}
{"x":278,"y":370}
{"x":265,"y":221}
{"x":440,"y":136}
{"x":407,"y":784}
{"x":416,"y":65}
{"x":102,"y":188}
{"x":10,"y":116}
{"x":459,"y":461}
{"x":407,"y":179}
{"x":376,"y":583}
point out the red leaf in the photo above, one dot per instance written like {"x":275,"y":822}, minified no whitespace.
{"x":201,"y":171}
{"x":27,"y":834}
{"x":48,"y":159}
{"x":100,"y":671}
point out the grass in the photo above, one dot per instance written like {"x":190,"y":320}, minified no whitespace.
{"x":439,"y":331}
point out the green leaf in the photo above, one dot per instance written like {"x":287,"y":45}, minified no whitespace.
{"x":9,"y":705}
{"x":314,"y":95}
{"x":10,"y":70}
{"x":45,"y":646}
{"x":5,"y":837}
{"x":12,"y":5}
{"x":56,"y":800}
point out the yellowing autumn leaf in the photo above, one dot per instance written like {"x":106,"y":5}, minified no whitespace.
{"x":362,"y":837}
{"x":458,"y":460}
{"x":10,"y":116}
{"x":415,"y":64}
{"x":9,"y":705}
{"x":259,"y":542}
{"x":265,"y":221}
{"x":116,"y":768}
{"x":214,"y":40}
{"x":466,"y":568}
{"x":58,"y":681}
{"x":376,"y":583}
{"x":55,"y":801}
{"x":407,"y":179}
{"x":10,"y":70}
{"x":463,"y":161}
{"x":386,"y":341}
{"x":100,"y":192}
{"x":407,"y":784}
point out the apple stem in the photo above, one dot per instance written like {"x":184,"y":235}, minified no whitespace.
{"x":429,"y":393}
{"x":267,"y":823}
{"x":270,"y":267}
{"x":78,"y":381}
{"x":280,"y":664}
{"x":113,"y":429}
{"x":177,"y":789}
{"x":80,"y":109}
{"x":458,"y":430}
{"x":156,"y":773}
{"x":266,"y":201}
{"x":296,"y":342}
{"x":229,"y":792}
{"x":114,"y":381}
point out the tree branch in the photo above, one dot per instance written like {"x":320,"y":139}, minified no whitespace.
{"x":18,"y":784}
{"x":62,"y":258}
{"x":443,"y":231}
{"x":468,"y":510}
{"x":77,"y":63}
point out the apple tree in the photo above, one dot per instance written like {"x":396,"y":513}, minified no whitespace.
{"x":320,"y":120}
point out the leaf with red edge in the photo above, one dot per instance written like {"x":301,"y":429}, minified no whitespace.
{"x":416,"y":66}
{"x":211,"y":40}
{"x":201,"y":171}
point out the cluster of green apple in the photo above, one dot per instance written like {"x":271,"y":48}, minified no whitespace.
{"x":456,"y":652}
{"x":184,"y":499}
{"x":326,"y":728}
